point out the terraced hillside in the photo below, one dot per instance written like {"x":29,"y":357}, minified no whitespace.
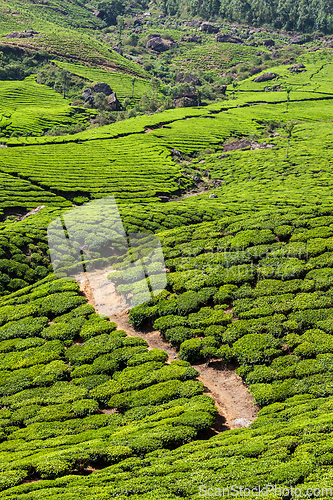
{"x":222,"y":150}
{"x":30,"y":109}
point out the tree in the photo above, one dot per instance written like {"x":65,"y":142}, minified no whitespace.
{"x":199,"y":94}
{"x":155,"y":90}
{"x":121,"y":26}
{"x":133,"y":83}
{"x":289,"y":127}
{"x":64,"y":80}
{"x":109,"y":10}
{"x":288,"y":97}
{"x":101,"y":101}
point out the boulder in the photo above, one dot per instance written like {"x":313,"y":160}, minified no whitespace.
{"x":268,"y":43}
{"x":24,"y":34}
{"x":220,"y":37}
{"x":159,"y":44}
{"x":209,"y":28}
{"x":137,"y":22}
{"x":103,"y":88}
{"x":13,"y":34}
{"x":31,"y":32}
{"x":181,"y":78}
{"x":265,"y":77}
{"x":194,"y":38}
{"x":114,"y":104}
{"x":193,"y":24}
{"x":255,"y":70}
{"x":153,"y":35}
{"x":297,"y":68}
{"x":221,"y":89}
{"x":118,"y":50}
{"x":213,"y":195}
{"x":87,"y":94}
{"x":191,"y":38}
{"x":185,"y":102}
{"x":297,"y":39}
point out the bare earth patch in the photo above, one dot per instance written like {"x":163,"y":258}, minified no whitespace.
{"x":232,"y":398}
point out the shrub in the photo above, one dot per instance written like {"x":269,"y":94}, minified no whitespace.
{"x":190,"y":350}
{"x":63,"y":331}
{"x":84,"y":407}
{"x":23,"y":328}
{"x":96,"y":326}
{"x":141,"y":314}
{"x":163,"y":392}
{"x":166,"y":322}
{"x":179,"y":334}
{"x":256,"y":348}
{"x":225,"y":293}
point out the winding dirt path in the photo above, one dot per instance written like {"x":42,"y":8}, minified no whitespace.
{"x":234,"y":403}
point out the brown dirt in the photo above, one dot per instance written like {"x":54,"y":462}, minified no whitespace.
{"x":233,"y":146}
{"x":232,"y":398}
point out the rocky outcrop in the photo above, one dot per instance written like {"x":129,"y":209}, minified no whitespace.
{"x":192,"y":24}
{"x":265,"y":77}
{"x":118,"y":50}
{"x":209,"y":28}
{"x":297,"y":68}
{"x":245,"y":144}
{"x":88,"y":96}
{"x":24,"y":34}
{"x":114,"y":103}
{"x":221,"y":89}
{"x":103,"y":88}
{"x":296,"y":39}
{"x":268,"y":43}
{"x":185,"y":102}
{"x":191,"y":38}
{"x":186,"y":98}
{"x":158,"y":44}
{"x":255,"y":70}
{"x":220,"y":37}
{"x":299,"y":39}
{"x":192,"y":79}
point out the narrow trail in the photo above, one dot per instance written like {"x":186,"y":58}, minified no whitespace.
{"x":235,"y":405}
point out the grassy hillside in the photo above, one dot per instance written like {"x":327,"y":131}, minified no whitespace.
{"x":237,"y":187}
{"x":121,"y":83}
{"x":30,"y":109}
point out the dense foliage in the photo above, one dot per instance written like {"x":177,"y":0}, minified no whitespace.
{"x":223,"y":150}
{"x":70,"y":379}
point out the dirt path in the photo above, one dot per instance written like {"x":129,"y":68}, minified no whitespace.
{"x":233,"y":400}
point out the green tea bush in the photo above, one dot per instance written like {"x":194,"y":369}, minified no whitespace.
{"x":256,"y":347}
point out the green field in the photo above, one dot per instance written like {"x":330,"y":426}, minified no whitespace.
{"x":238,"y":191}
{"x":121,"y":83}
{"x":29,"y":109}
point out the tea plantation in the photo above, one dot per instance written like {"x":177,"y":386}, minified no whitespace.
{"x":30,"y":109}
{"x":220,"y":146}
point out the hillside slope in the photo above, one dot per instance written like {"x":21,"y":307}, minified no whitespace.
{"x":222,"y":151}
